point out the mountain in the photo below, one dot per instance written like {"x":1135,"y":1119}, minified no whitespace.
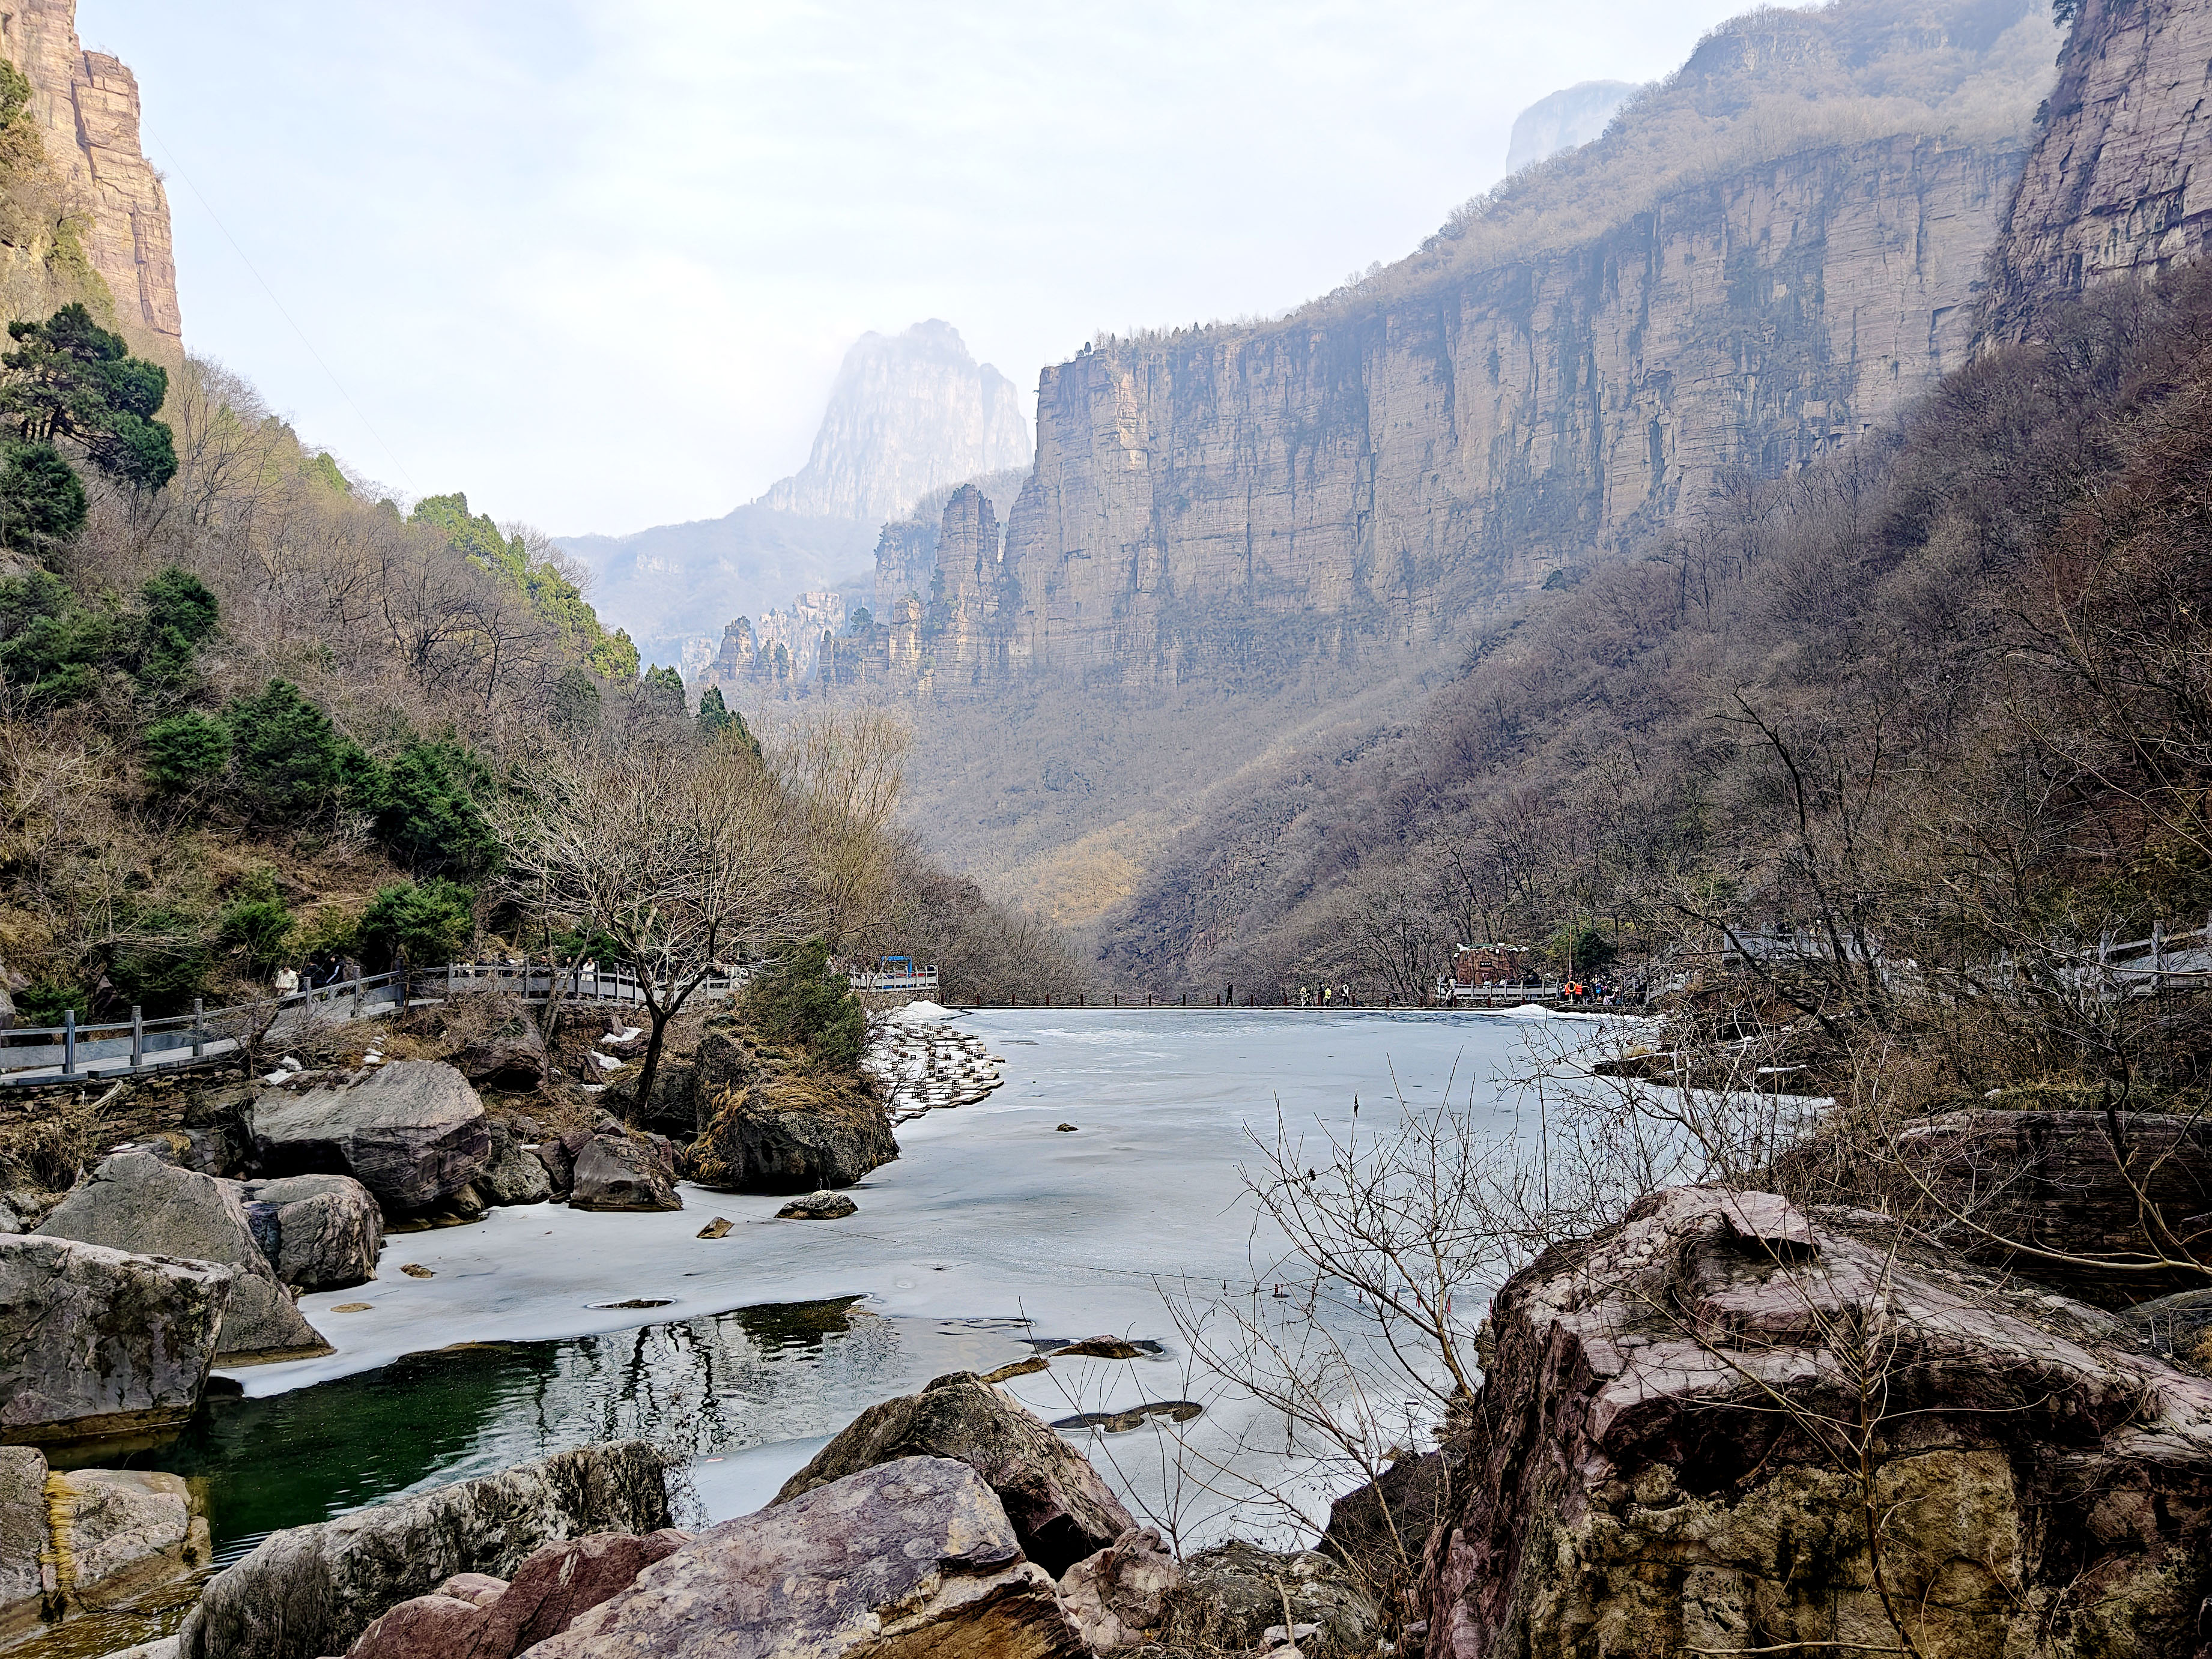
{"x":1564,"y":121}
{"x":99,"y":206}
{"x":910,"y":417}
{"x":908,"y":414}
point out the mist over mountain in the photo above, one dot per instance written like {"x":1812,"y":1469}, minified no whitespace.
{"x":1564,"y":121}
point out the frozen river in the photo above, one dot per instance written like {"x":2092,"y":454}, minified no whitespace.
{"x":995,"y":1233}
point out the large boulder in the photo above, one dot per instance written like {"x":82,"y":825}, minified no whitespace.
{"x":1232,"y":1596}
{"x":624,"y":1171}
{"x":1118,"y":1597}
{"x":687,"y":1093}
{"x":1059,"y":1508}
{"x":96,"y":1342}
{"x":912,"y":1557}
{"x":28,"y":1583}
{"x":559,"y":1165}
{"x":313,"y":1591}
{"x":1664,"y":1455}
{"x":117,"y":1533}
{"x":136,"y":1203}
{"x":473,"y":1616}
{"x":412,"y":1132}
{"x":509,"y":1062}
{"x":786,"y":1135}
{"x":319,"y":1232}
{"x":514,"y":1175}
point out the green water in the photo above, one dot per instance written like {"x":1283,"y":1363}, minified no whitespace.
{"x":701,"y":1388}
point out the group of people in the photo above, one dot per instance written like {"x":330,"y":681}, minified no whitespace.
{"x":327,"y":970}
{"x":1322,"y":997}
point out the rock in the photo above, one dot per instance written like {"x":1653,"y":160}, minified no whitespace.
{"x":319,"y":1232}
{"x":313,"y":1591}
{"x":135,"y":1202}
{"x":1637,"y":1469}
{"x":513,"y":1176}
{"x":717,"y":1228}
{"x":785,"y":1137}
{"x":1379,"y":1530}
{"x":165,"y":1648}
{"x":1067,"y":1128}
{"x":416,"y":1270}
{"x":118,"y":1533}
{"x":1118,"y":1597}
{"x":9,"y":1221}
{"x":673,"y":1109}
{"x":512,"y":1062}
{"x":560,"y":1165}
{"x":1231,"y":1595}
{"x":96,"y":1342}
{"x":26,"y":1579}
{"x":1101,"y":1347}
{"x":624,"y":1171}
{"x":2051,"y":1180}
{"x":549,"y":1591}
{"x":912,"y":1558}
{"x":1059,"y":1507}
{"x":413,"y":1133}
{"x":819,"y":1206}
{"x":2176,"y":1326}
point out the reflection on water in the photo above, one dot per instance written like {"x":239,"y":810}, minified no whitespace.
{"x":699,"y":1388}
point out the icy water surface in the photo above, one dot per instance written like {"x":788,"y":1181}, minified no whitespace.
{"x":994,"y":1233}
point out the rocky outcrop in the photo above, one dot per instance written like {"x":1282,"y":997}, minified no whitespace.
{"x":313,"y":1591}
{"x":1665,"y":1453}
{"x":624,"y":1171}
{"x":96,"y":1343}
{"x":906,"y":415}
{"x":512,"y":1175}
{"x":1059,"y":1507}
{"x":512,"y":1061}
{"x":475,"y":1616}
{"x":413,"y":1132}
{"x":115,"y":1533}
{"x":1118,"y":1597}
{"x":135,"y":1203}
{"x":319,"y":1232}
{"x":86,"y":105}
{"x":778,"y":1136}
{"x":1231,"y":1596}
{"x":2108,"y":189}
{"x":2023,"y":1189}
{"x":912,"y":1557}
{"x":27,"y":1577}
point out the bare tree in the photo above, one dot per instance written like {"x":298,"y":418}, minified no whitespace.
{"x":675,"y":852}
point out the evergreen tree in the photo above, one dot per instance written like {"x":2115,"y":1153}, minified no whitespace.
{"x":42,"y":503}
{"x":288,"y":756}
{"x":70,"y":378}
{"x":185,"y":750}
{"x":429,"y":815}
{"x":181,"y":613}
{"x":714,"y":718}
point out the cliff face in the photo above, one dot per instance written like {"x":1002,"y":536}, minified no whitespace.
{"x":1229,"y":502}
{"x":908,"y":416}
{"x":86,"y":107}
{"x":2110,"y":189}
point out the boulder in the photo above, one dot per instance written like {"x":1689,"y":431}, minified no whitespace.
{"x":824,"y":1206}
{"x":133,"y":1201}
{"x":1646,"y":1466}
{"x":781,"y":1135}
{"x":319,"y":1231}
{"x":313,"y":1591}
{"x":1059,"y":1507}
{"x":513,"y":1175}
{"x":912,"y":1557}
{"x":1231,"y":1596}
{"x":413,"y":1132}
{"x":496,"y":1619}
{"x":117,"y":1533}
{"x":96,"y":1342}
{"x":2059,"y":1181}
{"x":559,"y":1164}
{"x":1118,"y":1597}
{"x":624,"y":1171}
{"x":27,"y":1577}
{"x":9,"y":1221}
{"x":509,"y":1062}
{"x":1380,"y":1529}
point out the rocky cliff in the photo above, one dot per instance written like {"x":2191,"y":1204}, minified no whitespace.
{"x":1564,"y":120}
{"x":1225,"y":501}
{"x":908,"y":416}
{"x":85,"y":104}
{"x":2110,"y":190}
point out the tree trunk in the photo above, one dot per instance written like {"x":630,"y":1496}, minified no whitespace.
{"x":652,"y":1045}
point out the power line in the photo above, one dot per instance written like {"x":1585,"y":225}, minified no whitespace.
{"x":208,"y":206}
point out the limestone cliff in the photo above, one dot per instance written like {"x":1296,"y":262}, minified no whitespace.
{"x":2111,"y":188}
{"x":85,"y":106}
{"x":1217,"y":501}
{"x":908,"y":416}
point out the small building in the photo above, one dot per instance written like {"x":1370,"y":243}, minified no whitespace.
{"x":1478,"y":966}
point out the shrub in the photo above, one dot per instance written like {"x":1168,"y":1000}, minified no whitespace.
{"x":258,"y":923}
{"x":181,"y":613}
{"x":427,"y":813}
{"x":185,"y":750}
{"x":43,"y":1003}
{"x":42,"y":503}
{"x":424,"y":924}
{"x":287,"y":752}
{"x":161,"y":962}
{"x":51,"y":646}
{"x":1581,"y":949}
{"x":803,"y":999}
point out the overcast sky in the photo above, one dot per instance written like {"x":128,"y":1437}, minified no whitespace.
{"x":596,"y":264}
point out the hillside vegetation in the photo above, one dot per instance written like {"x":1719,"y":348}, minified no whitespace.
{"x":1942,"y":702}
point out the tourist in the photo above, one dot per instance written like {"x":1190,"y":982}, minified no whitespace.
{"x":286,"y":982}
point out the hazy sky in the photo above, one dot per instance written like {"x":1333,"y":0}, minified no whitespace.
{"x":596,"y":264}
